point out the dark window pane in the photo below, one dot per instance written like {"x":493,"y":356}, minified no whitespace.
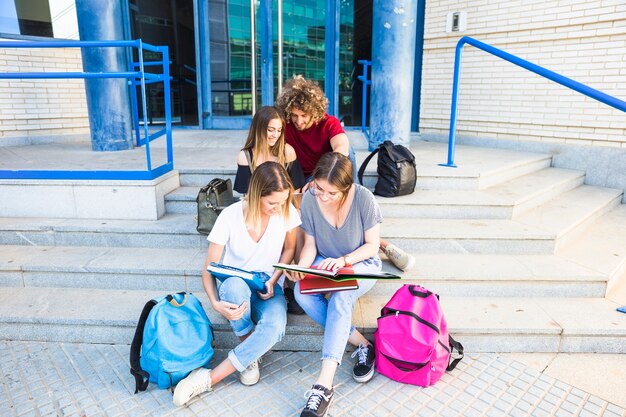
{"x":158,"y":23}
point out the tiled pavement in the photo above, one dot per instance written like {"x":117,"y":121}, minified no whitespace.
{"x":65,"y":379}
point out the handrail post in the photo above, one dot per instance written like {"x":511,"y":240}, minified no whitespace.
{"x":366,"y":82}
{"x":454,"y":106}
{"x":168,"y":104}
{"x":144,"y":106}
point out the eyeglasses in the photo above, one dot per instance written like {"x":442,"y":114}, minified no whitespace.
{"x":315,"y":190}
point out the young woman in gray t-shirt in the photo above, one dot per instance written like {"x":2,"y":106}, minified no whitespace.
{"x":341,"y":222}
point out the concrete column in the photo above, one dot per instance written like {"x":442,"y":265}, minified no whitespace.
{"x":108,"y":102}
{"x":393,"y":61}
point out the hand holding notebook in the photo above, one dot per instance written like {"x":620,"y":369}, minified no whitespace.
{"x":255,"y":279}
{"x":341,"y":274}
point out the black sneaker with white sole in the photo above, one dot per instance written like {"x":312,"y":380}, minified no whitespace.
{"x":318,"y":401}
{"x":364,"y":366}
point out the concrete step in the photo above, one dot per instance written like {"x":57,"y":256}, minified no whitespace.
{"x":502,"y":324}
{"x":489,"y":275}
{"x":481,"y":324}
{"x":503,"y":201}
{"x":170,"y":231}
{"x":178,"y":231}
{"x":537,"y":231}
{"x":480,"y":167}
{"x":602,"y":247}
{"x":568,"y":214}
{"x":180,"y":270}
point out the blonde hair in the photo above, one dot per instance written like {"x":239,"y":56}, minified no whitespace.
{"x":257,"y":137}
{"x":304,"y":95}
{"x":267,"y":178}
{"x":336,"y":169}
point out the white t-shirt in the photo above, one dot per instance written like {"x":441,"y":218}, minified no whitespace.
{"x":240,"y":250}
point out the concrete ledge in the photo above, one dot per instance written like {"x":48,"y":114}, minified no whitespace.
{"x":132,"y":200}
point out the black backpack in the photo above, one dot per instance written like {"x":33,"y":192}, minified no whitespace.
{"x":396,"y":170}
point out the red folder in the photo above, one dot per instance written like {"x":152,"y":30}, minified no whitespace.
{"x":312,"y":284}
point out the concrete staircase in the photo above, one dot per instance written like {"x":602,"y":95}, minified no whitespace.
{"x":523,"y":256}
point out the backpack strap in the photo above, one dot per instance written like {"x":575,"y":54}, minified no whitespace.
{"x":364,"y":164}
{"x":142,"y":378}
{"x":459,"y":348}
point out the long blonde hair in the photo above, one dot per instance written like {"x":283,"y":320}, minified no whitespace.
{"x":257,"y":137}
{"x":267,"y":178}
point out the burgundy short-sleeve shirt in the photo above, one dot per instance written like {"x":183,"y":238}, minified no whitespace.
{"x":312,"y":143}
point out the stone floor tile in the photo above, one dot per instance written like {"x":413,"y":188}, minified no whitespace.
{"x":93,"y":380}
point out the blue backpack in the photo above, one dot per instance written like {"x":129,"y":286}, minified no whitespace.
{"x":173,"y":337}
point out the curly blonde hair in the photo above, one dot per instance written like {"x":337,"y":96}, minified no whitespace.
{"x":304,"y":95}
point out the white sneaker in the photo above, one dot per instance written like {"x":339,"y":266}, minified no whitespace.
{"x":251,"y":374}
{"x":197,"y":382}
{"x":398,"y":257}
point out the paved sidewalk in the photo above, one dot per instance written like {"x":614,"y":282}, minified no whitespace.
{"x":66,"y":379}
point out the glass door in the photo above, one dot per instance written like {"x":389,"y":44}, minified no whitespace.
{"x":228,"y":101}
{"x":171,"y":23}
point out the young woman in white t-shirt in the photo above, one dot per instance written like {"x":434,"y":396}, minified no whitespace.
{"x":252,"y":234}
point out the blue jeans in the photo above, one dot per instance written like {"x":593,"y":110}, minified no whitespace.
{"x":270,"y":317}
{"x":335,"y":313}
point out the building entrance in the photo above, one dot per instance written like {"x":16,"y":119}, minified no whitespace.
{"x":305,"y":49}
{"x":211,"y":49}
{"x":171,"y":23}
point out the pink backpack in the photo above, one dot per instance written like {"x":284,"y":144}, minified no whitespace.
{"x":412,"y":342}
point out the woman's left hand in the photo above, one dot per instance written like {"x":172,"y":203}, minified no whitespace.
{"x":332,"y":263}
{"x":269,"y":291}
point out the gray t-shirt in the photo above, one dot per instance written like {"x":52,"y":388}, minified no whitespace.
{"x":334,"y":243}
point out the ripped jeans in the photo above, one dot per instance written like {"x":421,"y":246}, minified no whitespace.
{"x":270,"y":317}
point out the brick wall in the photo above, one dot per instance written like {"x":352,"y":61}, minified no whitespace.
{"x":581,"y":39}
{"x":32,"y":108}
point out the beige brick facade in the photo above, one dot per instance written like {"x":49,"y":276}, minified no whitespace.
{"x":30,"y":108}
{"x":581,"y":39}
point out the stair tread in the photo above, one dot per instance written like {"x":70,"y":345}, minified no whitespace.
{"x":507,"y":194}
{"x":566,"y":316}
{"x":565,"y":211}
{"x":547,"y":221}
{"x":476,"y":161}
{"x":186,"y":224}
{"x":446,"y":267}
{"x":170,"y":223}
{"x":93,"y":307}
{"x":496,"y":267}
{"x":603,"y":246}
{"x":467,"y":315}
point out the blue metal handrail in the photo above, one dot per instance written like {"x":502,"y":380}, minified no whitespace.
{"x":366,"y":82}
{"x":136,"y":78}
{"x":546,"y":73}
